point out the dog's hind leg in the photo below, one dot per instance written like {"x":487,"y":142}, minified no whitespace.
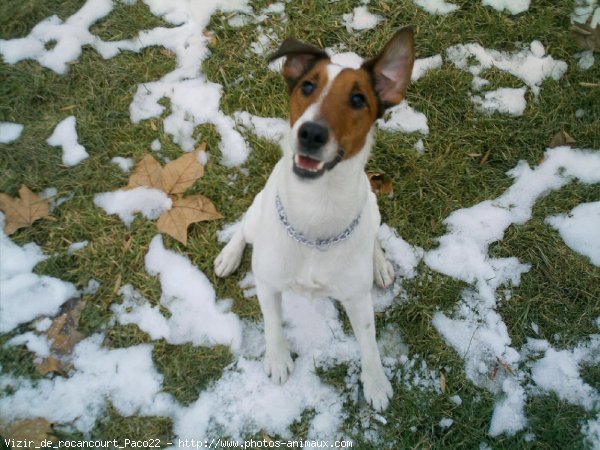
{"x":230,"y":257}
{"x":376,"y":386}
{"x":278,"y":361}
{"x":383,"y":271}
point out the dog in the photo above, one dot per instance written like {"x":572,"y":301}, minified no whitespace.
{"x":314,"y":226}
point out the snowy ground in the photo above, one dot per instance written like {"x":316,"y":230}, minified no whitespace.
{"x":243,"y":402}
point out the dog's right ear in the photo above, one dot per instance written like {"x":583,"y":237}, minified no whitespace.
{"x":300,"y":58}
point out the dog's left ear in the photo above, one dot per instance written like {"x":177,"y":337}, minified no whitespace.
{"x":300,"y":58}
{"x":392,"y":68}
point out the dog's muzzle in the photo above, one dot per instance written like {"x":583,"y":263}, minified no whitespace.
{"x":308,"y":162}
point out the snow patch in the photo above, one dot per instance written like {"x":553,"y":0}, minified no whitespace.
{"x":10,"y":132}
{"x":195,"y":316}
{"x":580,"y":229}
{"x":125,"y":164}
{"x":76,"y":246}
{"x":476,"y":329}
{"x":529,"y":65}
{"x":25,"y":295}
{"x":35,"y":343}
{"x":504,"y":100}
{"x":424,"y":65}
{"x":65,"y":136}
{"x":151,"y":203}
{"x":404,"y":118}
{"x":585,"y":59}
{"x":512,"y":6}
{"x":440,"y":7}
{"x":68,"y":38}
{"x":361,"y":19}
{"x":124,"y":378}
{"x":272,"y":129}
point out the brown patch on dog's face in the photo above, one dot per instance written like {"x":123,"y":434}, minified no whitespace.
{"x":300,"y":97}
{"x":349,"y":109}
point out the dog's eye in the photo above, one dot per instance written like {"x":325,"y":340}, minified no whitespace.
{"x":307,"y":88}
{"x":358,"y":101}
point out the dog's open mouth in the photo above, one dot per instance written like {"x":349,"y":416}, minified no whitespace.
{"x":308,"y":167}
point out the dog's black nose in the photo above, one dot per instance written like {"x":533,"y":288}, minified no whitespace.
{"x":312,"y":136}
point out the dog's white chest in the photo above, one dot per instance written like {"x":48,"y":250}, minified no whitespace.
{"x":313,"y":280}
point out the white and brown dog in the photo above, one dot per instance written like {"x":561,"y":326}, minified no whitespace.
{"x":314,"y":225}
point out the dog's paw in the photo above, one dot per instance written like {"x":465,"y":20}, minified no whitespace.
{"x":383,"y":272}
{"x":228,"y":260}
{"x":278,"y":366}
{"x":377,"y":389}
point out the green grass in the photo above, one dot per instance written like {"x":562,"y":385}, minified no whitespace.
{"x":561,"y":293}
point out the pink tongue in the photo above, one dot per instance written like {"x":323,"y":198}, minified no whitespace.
{"x":308,"y":163}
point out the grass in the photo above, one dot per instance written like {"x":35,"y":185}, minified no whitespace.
{"x":465,"y":162}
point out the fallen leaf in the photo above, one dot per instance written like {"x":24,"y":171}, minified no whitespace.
{"x":443,"y":380}
{"x":37,"y":432}
{"x":153,"y":125}
{"x":51,"y":365}
{"x":147,"y":173}
{"x":185,"y":211}
{"x":587,"y":38}
{"x":380,"y":183}
{"x":64,"y":330}
{"x":64,"y":336}
{"x":212,"y":37}
{"x":117,"y":285}
{"x":174,"y":179}
{"x":179,"y":175}
{"x":505,"y":366}
{"x":22,"y":212}
{"x":562,"y":139}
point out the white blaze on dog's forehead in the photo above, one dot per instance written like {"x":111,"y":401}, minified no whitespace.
{"x":333,"y":70}
{"x":312,"y":112}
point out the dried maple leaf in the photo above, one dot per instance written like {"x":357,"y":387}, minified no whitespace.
{"x":174,"y":179}
{"x":51,"y":365}
{"x":147,"y":173}
{"x":179,"y":175}
{"x":22,"y":212}
{"x":185,"y":211}
{"x":380,"y":183}
{"x":562,"y":139}
{"x":64,"y":335}
{"x":36,"y":433}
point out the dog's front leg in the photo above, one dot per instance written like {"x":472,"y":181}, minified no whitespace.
{"x":278,"y":361}
{"x":383,"y":271}
{"x":377,"y":388}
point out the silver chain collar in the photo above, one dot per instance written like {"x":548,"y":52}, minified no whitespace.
{"x":319,"y":244}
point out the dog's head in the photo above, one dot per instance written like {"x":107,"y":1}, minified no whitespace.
{"x":333,"y":107}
